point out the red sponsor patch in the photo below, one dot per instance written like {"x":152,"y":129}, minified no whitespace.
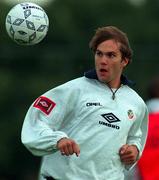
{"x":44,"y":104}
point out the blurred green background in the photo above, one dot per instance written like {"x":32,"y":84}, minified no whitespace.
{"x":27,"y":72}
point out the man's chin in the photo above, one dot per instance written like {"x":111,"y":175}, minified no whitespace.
{"x":103,"y":80}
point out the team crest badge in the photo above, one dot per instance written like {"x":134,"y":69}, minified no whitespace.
{"x":130,"y":114}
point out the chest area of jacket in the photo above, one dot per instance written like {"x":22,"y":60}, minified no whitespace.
{"x":105,"y":112}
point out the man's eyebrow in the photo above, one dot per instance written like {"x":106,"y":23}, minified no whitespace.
{"x":98,"y":50}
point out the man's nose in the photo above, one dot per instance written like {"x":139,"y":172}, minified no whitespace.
{"x":104,"y":60}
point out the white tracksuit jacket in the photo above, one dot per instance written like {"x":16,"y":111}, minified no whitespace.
{"x":83,"y":110}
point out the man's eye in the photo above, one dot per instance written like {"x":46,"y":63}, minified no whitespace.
{"x":111,"y":55}
{"x":99,"y":53}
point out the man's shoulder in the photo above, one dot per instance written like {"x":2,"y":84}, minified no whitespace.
{"x":79,"y":82}
{"x":134,"y":96}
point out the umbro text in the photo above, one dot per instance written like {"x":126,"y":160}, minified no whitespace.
{"x":109,"y":125}
{"x":31,"y":7}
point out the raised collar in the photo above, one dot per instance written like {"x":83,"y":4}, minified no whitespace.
{"x":91,"y":74}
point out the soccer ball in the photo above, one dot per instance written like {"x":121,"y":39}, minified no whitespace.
{"x":27,"y":23}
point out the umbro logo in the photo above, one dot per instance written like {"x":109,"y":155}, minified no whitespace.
{"x":110,"y":117}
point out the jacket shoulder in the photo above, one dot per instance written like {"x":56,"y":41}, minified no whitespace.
{"x":135,"y":97}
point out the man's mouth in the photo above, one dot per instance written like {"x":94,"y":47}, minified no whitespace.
{"x":103,"y":70}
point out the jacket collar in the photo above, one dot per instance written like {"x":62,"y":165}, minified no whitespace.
{"x":91,"y":74}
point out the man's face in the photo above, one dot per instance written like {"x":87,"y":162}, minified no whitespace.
{"x":109,"y":63}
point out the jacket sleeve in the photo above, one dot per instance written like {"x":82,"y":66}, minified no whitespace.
{"x":138,"y":132}
{"x":43,"y":125}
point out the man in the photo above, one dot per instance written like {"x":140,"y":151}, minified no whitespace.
{"x":92,"y":127}
{"x":153,"y":95}
{"x":148,"y":164}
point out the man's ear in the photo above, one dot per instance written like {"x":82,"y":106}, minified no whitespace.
{"x":125,"y":62}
